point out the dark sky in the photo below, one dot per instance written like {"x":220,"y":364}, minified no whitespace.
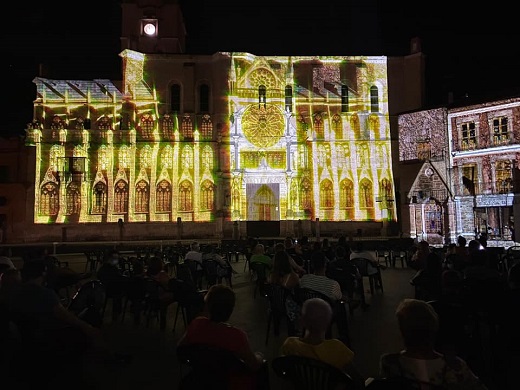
{"x":468,"y":50}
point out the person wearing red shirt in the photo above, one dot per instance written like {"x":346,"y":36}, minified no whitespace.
{"x":214,"y":330}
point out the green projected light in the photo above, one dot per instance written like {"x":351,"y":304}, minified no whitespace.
{"x":303,"y":138}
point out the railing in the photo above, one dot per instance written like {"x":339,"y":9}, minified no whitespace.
{"x":485,"y":188}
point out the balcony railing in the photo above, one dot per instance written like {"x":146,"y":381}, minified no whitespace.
{"x":486,"y":188}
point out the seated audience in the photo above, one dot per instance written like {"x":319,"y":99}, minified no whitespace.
{"x":427,"y":281}
{"x":51,"y":335}
{"x":419,"y":361}
{"x":418,"y":260}
{"x":360,"y":253}
{"x":316,"y":317}
{"x":259,"y":256}
{"x":318,"y":281}
{"x":213,"y":329}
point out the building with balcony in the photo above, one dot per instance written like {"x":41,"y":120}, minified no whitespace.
{"x":466,"y":172}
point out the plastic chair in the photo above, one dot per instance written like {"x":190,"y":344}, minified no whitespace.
{"x":89,"y":302}
{"x":375,"y":279}
{"x":311,"y":374}
{"x":259,"y":271}
{"x":276,"y":295}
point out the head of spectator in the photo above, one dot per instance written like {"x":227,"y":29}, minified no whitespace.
{"x":34,"y":271}
{"x":316,"y":317}
{"x":220,"y":302}
{"x":155,"y":265}
{"x":474,"y":246}
{"x":281,"y":264}
{"x":112,"y":258}
{"x":279,"y":246}
{"x":418,"y":324}
{"x":288,"y":242}
{"x":259,"y":249}
{"x":319,"y":263}
{"x":195,"y":246}
{"x":341,"y":252}
{"x":461,"y":241}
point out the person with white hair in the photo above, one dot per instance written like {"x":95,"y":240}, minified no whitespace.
{"x":316,"y":317}
{"x":419,"y":361}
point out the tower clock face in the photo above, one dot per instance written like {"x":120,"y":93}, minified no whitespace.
{"x":263,"y":126}
{"x":149,"y":29}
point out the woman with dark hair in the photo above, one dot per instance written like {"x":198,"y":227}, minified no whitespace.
{"x":282,"y":272}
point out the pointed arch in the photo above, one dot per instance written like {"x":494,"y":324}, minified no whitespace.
{"x":99,"y":198}
{"x":142,"y":196}
{"x":163,"y":196}
{"x":326,"y":194}
{"x":49,"y":199}
{"x":73,"y":199}
{"x":366,"y":198}
{"x":185,"y":196}
{"x":207,"y":195}
{"x":121,"y":197}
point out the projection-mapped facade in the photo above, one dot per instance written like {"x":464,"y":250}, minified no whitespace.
{"x":230,"y":135}
{"x":465,"y":182}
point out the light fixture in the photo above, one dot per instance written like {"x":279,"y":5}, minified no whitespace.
{"x":149,"y":27}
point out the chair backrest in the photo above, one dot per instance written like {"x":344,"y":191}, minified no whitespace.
{"x":361,"y":264}
{"x":276,"y":295}
{"x":311,"y":374}
{"x":261,"y":271}
{"x":89,"y":301}
{"x":304,"y":293}
{"x":210,"y":366}
{"x":210,"y":267}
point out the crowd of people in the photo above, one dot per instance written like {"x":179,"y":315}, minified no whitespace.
{"x":455,"y":291}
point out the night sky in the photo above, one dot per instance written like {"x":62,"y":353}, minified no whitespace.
{"x":471,"y":51}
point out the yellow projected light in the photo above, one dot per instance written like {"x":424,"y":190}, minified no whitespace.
{"x":304,"y":138}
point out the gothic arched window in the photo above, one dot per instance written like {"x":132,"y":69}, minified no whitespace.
{"x":121,"y":197}
{"x":49,"y":199}
{"x":164,"y":197}
{"x":99,"y":198}
{"x":326,"y":195}
{"x":73,"y":199}
{"x":185,"y":196}
{"x":142,"y":197}
{"x":206,"y":195}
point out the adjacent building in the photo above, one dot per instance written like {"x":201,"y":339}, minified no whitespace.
{"x":466,"y":171}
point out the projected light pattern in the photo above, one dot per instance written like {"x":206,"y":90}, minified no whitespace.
{"x":305,"y":138}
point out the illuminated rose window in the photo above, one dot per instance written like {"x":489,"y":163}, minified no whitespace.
{"x":263,"y":126}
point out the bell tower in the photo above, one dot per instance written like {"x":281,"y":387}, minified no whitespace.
{"x":152,"y":26}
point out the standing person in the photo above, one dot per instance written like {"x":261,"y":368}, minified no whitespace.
{"x":316,"y":317}
{"x":419,"y":361}
{"x":214,"y":330}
